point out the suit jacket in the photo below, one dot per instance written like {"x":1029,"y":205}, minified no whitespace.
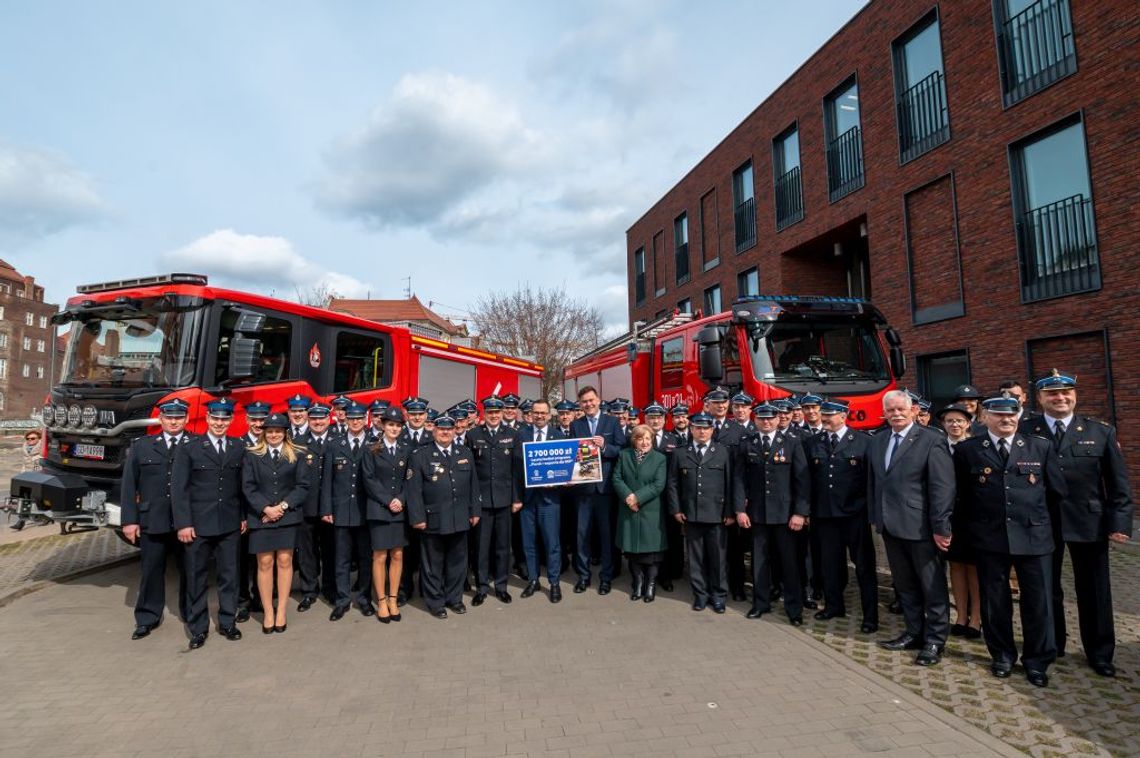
{"x":146,"y":484}
{"x":265,"y":483}
{"x":342,"y":493}
{"x":700,"y":488}
{"x":914,"y":499}
{"x":668,"y":444}
{"x":1005,"y":507}
{"x":384,"y":475}
{"x":205,"y":487}
{"x":839,"y":477}
{"x":1099,"y":499}
{"x":494,"y":464}
{"x":534,"y":496}
{"x":609,"y":428}
{"x":425,"y":437}
{"x":732,"y":434}
{"x":442,"y":493}
{"x":312,"y":507}
{"x":773,"y":487}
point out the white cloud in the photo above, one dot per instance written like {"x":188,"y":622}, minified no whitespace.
{"x":259,"y":262}
{"x":41,"y":193}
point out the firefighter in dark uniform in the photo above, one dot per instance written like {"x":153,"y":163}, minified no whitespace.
{"x":567,"y":411}
{"x":698,"y":493}
{"x":1008,"y":484}
{"x":969,"y":396}
{"x":837,"y":460}
{"x":384,"y":471}
{"x":147,"y":518}
{"x":376,"y":419}
{"x":339,"y":426}
{"x":315,"y":545}
{"x":343,"y":506}
{"x":443,"y":504}
{"x":1097,"y":510}
{"x":771,"y":496}
{"x":209,"y":514}
{"x":298,"y":411}
{"x":511,"y":417}
{"x":742,"y":411}
{"x":493,"y":446}
{"x":680,"y":415}
{"x":665,"y":442}
{"x":248,"y":599}
{"x":415,"y":435}
{"x":730,"y":434}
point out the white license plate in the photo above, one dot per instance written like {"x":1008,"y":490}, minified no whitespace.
{"x":88,"y":451}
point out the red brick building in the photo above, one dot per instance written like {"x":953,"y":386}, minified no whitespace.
{"x":971,"y":167}
{"x":27,"y":339}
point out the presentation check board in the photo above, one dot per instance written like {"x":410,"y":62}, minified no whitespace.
{"x":556,"y":463}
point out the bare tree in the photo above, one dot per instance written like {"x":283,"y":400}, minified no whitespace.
{"x":317,"y":295}
{"x":543,"y":324}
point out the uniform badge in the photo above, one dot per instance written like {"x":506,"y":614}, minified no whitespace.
{"x":411,"y":473}
{"x":400,"y":463}
{"x":1080,"y":428}
{"x":854,"y":462}
{"x":435,"y":478}
{"x":309,"y":457}
{"x":982,"y":479}
{"x":987,"y":470}
{"x":1033,"y":478}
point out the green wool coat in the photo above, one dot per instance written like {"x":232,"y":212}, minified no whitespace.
{"x":644,"y":531}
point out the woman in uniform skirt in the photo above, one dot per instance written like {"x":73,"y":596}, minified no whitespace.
{"x":384,"y":471}
{"x":956,"y":419}
{"x":275,"y":481}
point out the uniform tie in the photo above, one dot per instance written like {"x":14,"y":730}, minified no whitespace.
{"x":355,"y":445}
{"x":766,"y":445}
{"x":700,"y":452}
{"x":221,"y":447}
{"x":541,"y":437}
{"x":834,"y":442}
{"x":1003,"y":450}
{"x":1058,"y":434}
{"x":275,"y":456}
{"x":446,"y":453}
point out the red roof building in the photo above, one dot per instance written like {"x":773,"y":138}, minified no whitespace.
{"x":410,"y":313}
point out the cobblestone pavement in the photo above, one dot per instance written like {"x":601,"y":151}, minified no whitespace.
{"x":591,"y":676}
{"x":54,"y":556}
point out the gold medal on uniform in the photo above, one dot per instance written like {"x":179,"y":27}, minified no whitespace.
{"x":987,"y":470}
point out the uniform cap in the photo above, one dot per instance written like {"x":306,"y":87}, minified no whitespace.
{"x":444,"y":421}
{"x":298,"y":402}
{"x":526,"y":405}
{"x":1002,"y":405}
{"x":794,"y":400}
{"x":391,"y":413}
{"x":810,"y":400}
{"x":220,"y":408}
{"x":967,"y":391}
{"x":716,"y":395}
{"x":355,"y":410}
{"x":257,"y":409}
{"x":340,"y":401}
{"x":415,"y":405}
{"x":456,"y":413}
{"x":492,"y":403}
{"x":378,"y":406}
{"x":701,"y":420}
{"x":831,"y":407}
{"x":742,"y":398}
{"x":1056,"y":381}
{"x":175,"y":408}
{"x":781,"y":405}
{"x":655,"y":409}
{"x":765,"y":410}
{"x":565,"y":405}
{"x":510,"y":400}
{"x":955,"y":408}
{"x":680,"y":409}
{"x":276,"y":421}
{"x":319,"y":410}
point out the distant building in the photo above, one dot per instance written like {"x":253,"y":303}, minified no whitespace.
{"x":410,"y":313}
{"x":26,"y":341}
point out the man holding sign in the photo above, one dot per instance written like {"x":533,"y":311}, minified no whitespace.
{"x":541,"y":506}
{"x":595,"y":502}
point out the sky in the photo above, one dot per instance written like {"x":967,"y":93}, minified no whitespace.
{"x":280,"y":147}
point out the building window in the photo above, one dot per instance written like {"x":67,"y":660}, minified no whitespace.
{"x":27,"y":343}
{"x":744,"y":207}
{"x":659,"y":263}
{"x":3,"y":368}
{"x":681,"y":247}
{"x":786,"y":167}
{"x":1053,"y":210}
{"x":942,"y":373}
{"x":29,"y":319}
{"x":844,"y":141}
{"x":39,"y":372}
{"x":712,"y":300}
{"x":639,"y":274}
{"x":3,"y":340}
{"x":1,"y":313}
{"x":673,"y":363}
{"x":748,"y":282}
{"x":1,"y":401}
{"x":26,"y":371}
{"x":710,"y":231}
{"x":920,"y":90}
{"x":39,"y":346}
{"x":1035,"y":46}
{"x":685,"y":306}
{"x":43,"y":322}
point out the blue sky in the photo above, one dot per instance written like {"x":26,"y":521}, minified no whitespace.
{"x":274,"y":146}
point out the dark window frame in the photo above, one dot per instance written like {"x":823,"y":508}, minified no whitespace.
{"x":740,"y":275}
{"x":639,"y":277}
{"x":713,"y":262}
{"x":797,"y":214}
{"x":923,"y":385}
{"x":835,"y":193}
{"x":1063,"y":68}
{"x":217,"y":359}
{"x":658,"y":286}
{"x":385,"y":369}
{"x":705,"y":299}
{"x":949,"y":310}
{"x":681,"y":249}
{"x":908,"y":153}
{"x":744,"y":211}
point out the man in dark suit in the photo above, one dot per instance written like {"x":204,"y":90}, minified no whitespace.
{"x":837,"y":459}
{"x":770,"y":496}
{"x":698,"y":493}
{"x":443,"y":504}
{"x":595,"y":502}
{"x":493,"y":446}
{"x":1008,"y":484}
{"x":1097,"y":510}
{"x":316,"y":560}
{"x":539,"y":507}
{"x":147,"y":517}
{"x":911,"y":497}
{"x":343,"y":504}
{"x":209,"y":514}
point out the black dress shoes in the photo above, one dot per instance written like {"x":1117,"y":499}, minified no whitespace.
{"x":401,"y":599}
{"x":929,"y":655}
{"x":699,"y":604}
{"x":754,"y":613}
{"x":1001,"y":669}
{"x":479,"y":598}
{"x":826,"y":614}
{"x":666,"y":585}
{"x":503,"y":596}
{"x":531,"y":588}
{"x":869,"y":627}
{"x":440,"y":614}
{"x":197,"y":641}
{"x":338,"y":613}
{"x":796,"y":620}
{"x":604,"y":588}
{"x":902,"y":642}
{"x":810,"y":604}
{"x":142,"y":630}
{"x":957,"y":630}
{"x":718,"y":607}
{"x":1037,"y":678}
{"x":367,"y":609}
{"x":555,"y":593}
{"x":232,"y":633}
{"x":650,"y":592}
{"x":895,"y":607}
{"x":306,"y":603}
{"x":242,"y":615}
{"x":1104,"y":669}
{"x":459,"y":608}
{"x":581,"y":586}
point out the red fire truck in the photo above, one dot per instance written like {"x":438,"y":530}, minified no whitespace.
{"x":137,"y":342}
{"x":770,"y":346}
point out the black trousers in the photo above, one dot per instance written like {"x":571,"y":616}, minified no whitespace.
{"x":738,"y":543}
{"x":443,"y":564}
{"x":316,"y":558}
{"x":154,"y":550}
{"x":816,"y":561}
{"x":1034,"y":577}
{"x":1094,"y":599}
{"x":839,"y":538}
{"x":708,"y":562}
{"x":247,"y":575}
{"x":518,"y":552}
{"x":919,"y":572}
{"x":222,"y":550}
{"x":775,"y":544}
{"x":673,"y":567}
{"x":568,"y":531}
{"x":352,"y":541}
{"x":412,"y":554}
{"x":494,"y":563}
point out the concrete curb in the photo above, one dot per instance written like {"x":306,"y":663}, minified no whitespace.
{"x":16,"y":594}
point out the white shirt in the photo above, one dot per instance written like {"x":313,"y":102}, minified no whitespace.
{"x":215,"y":440}
{"x":175,"y":440}
{"x":838,"y":435}
{"x":359,"y":440}
{"x":273,"y":450}
{"x":1067,"y":421}
{"x":443,"y":450}
{"x":544,"y":431}
{"x":995,"y":439}
{"x":891,"y":441}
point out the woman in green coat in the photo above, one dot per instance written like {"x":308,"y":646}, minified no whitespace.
{"x":639,"y":481}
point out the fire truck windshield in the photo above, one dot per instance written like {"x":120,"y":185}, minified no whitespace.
{"x":818,"y":354}
{"x":142,"y":344}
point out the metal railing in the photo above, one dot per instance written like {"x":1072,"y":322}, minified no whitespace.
{"x":924,"y":121}
{"x":845,"y":164}
{"x":789,"y":199}
{"x":1057,"y":249}
{"x":745,"y":220}
{"x":681,"y":262}
{"x":1036,"y":49}
{"x":639,"y":287}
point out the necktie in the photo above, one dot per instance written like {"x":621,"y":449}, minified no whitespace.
{"x":1003,"y":449}
{"x":221,"y":447}
{"x":275,"y":455}
{"x":541,"y":437}
{"x":700,"y":452}
{"x":767,"y":444}
{"x":1058,"y":434}
{"x":834,"y":442}
{"x":355,"y":445}
{"x":593,"y":426}
{"x":894,"y":449}
{"x":296,"y":431}
{"x":446,"y":453}
{"x":392,"y":451}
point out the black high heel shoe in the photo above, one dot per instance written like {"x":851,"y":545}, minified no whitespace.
{"x":395,"y":616}
{"x":281,"y":629}
{"x":268,"y":629}
{"x":382,"y":605}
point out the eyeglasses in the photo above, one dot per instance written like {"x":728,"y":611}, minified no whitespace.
{"x":31,"y":438}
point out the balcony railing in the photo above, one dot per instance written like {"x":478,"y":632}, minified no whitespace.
{"x":789,"y":199}
{"x":745,"y":218}
{"x":845,"y":164}
{"x":639,"y":287}
{"x":1036,"y":49}
{"x":924,"y":122}
{"x":1057,"y":249}
{"x":681,"y":259}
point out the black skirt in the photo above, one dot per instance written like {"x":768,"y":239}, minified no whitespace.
{"x":387,"y":535}
{"x":274,"y":538}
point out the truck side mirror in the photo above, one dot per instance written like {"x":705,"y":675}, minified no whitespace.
{"x":897,"y":357}
{"x":631,"y":352}
{"x":711,"y":362}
